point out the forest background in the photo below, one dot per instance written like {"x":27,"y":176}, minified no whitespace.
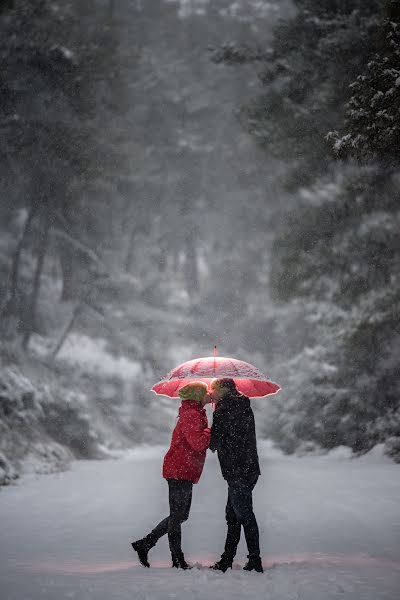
{"x":175,"y":175}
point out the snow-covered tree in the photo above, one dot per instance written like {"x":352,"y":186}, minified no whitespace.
{"x":372,"y":128}
{"x":337,"y":251}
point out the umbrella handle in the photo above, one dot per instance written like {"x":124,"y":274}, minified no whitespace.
{"x":215,"y":356}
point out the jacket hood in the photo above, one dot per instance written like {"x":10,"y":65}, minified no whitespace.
{"x":190,"y":405}
{"x":194,"y":390}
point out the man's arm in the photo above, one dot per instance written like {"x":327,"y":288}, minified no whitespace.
{"x":215,"y":432}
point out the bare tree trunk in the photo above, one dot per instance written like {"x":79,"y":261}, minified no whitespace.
{"x":84,"y":8}
{"x":111,"y":9}
{"x":6,"y":5}
{"x":11,"y":294}
{"x":29,"y":322}
{"x":77,"y":311}
{"x":67,"y":271}
{"x":393,"y":9}
{"x":175,"y":259}
{"x":191,"y":272}
{"x":129,"y":254}
{"x":79,"y":308}
{"x":76,"y":259}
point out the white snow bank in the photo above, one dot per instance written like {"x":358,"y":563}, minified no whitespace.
{"x":91,"y":353}
{"x":376,"y":456}
{"x":144,"y":452}
{"x":268,"y":450}
{"x":339,"y":453}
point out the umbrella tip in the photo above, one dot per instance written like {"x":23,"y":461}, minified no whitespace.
{"x":215,"y":351}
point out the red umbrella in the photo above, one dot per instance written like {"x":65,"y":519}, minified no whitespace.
{"x":249,"y":380}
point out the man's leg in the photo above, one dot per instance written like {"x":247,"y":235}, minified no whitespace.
{"x":232,"y":539}
{"x":241,"y":497}
{"x":233,"y":533}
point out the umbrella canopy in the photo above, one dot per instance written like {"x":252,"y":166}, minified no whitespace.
{"x":249,"y":380}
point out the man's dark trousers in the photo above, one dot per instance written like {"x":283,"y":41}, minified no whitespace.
{"x":239,"y":511}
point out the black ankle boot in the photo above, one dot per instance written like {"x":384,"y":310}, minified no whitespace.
{"x":223,"y":564}
{"x":253,"y":564}
{"x":142,"y":548}
{"x":179,"y":562}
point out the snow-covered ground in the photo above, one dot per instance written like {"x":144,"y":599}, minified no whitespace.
{"x":330,"y":528}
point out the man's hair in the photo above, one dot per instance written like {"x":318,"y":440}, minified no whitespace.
{"x":225,"y":383}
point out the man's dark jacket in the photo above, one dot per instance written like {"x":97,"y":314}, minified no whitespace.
{"x":233,"y":435}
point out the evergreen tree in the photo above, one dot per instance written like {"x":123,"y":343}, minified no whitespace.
{"x":372,"y":128}
{"x":337,"y":252}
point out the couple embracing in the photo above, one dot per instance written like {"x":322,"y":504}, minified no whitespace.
{"x":233,"y":436}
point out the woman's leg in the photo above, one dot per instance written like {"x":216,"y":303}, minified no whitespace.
{"x":181,"y":501}
{"x":158,"y":532}
{"x":144,"y":545}
{"x":180,"y":498}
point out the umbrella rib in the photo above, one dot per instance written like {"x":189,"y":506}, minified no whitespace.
{"x":234,"y":367}
{"x":193,"y":369}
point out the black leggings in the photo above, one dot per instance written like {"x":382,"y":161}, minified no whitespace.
{"x":180,"y":500}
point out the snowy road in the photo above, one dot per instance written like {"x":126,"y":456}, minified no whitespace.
{"x":330,"y":528}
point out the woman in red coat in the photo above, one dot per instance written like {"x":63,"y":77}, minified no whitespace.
{"x":183,"y":466}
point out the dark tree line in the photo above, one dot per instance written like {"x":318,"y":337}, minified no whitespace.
{"x":131,"y":195}
{"x":58,"y":83}
{"x":125,"y":179}
{"x":330,"y":106}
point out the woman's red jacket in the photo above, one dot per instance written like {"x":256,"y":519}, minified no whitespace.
{"x":190,"y":440}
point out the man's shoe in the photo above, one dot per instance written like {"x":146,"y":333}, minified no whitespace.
{"x":142,"y":548}
{"x":179,"y":562}
{"x":223,"y":564}
{"x":254,"y":564}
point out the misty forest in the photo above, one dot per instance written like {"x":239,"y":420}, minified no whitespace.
{"x":164,"y":190}
{"x":180,"y":174}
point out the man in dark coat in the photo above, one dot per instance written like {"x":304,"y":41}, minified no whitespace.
{"x":233,"y":436}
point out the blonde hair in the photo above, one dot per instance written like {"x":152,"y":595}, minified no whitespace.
{"x":194,"y":390}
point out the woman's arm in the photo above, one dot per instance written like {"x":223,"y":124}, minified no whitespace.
{"x":192,"y":427}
